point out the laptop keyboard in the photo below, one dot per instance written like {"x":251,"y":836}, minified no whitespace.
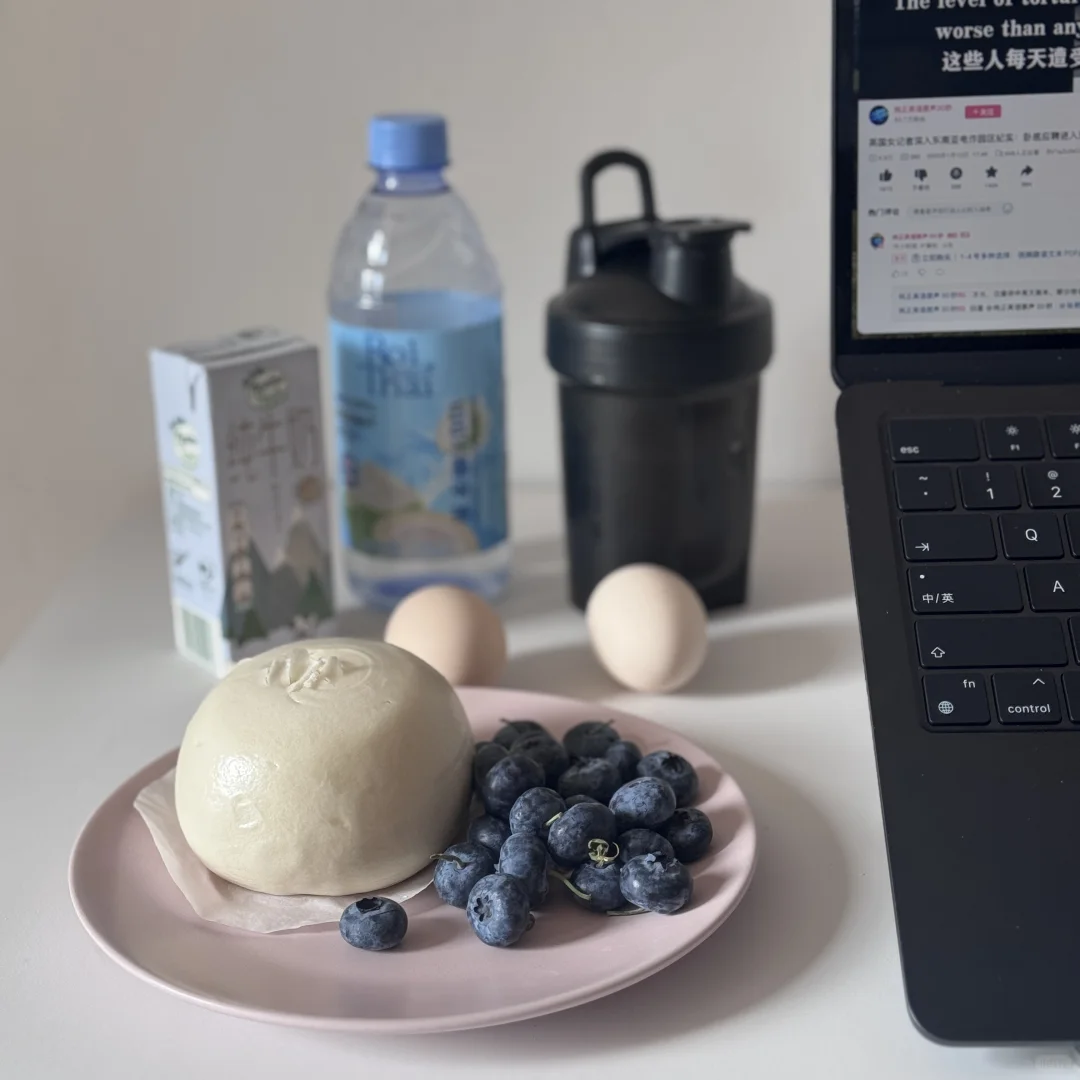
{"x":989,"y":520}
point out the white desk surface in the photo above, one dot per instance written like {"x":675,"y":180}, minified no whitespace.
{"x":802,"y":981}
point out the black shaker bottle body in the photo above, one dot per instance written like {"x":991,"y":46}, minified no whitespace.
{"x":659,"y":350}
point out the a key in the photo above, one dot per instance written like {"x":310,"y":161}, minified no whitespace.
{"x":989,"y":487}
{"x":956,"y":699}
{"x":1017,"y":438}
{"x":1030,"y":536}
{"x":1072,"y":527}
{"x":1064,"y":436}
{"x":924,"y":487}
{"x":991,"y":642}
{"x":960,"y":588}
{"x":1054,"y":587}
{"x":1071,"y":683}
{"x":933,"y":440}
{"x":947,"y":537}
{"x":1027,"y":697}
{"x":1053,"y":485}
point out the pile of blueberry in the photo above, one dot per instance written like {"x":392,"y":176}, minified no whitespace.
{"x":615,"y":827}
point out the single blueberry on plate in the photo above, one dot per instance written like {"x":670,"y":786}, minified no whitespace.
{"x":546,"y":752}
{"x":575,"y":799}
{"x":656,"y":884}
{"x":596,"y":777}
{"x":487,"y":754}
{"x":644,"y":803}
{"x":635,"y":842}
{"x":490,"y":832}
{"x":569,"y":838}
{"x":624,"y":755}
{"x":507,"y":780}
{"x":600,"y":886}
{"x":512,"y":730}
{"x":374,"y":923}
{"x":458,"y":869}
{"x":690,"y":833}
{"x":533,"y":811}
{"x":591,"y":739}
{"x":525,"y":857}
{"x":498,"y":910}
{"x":676,"y":770}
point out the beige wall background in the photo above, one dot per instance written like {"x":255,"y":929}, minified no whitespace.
{"x":176,"y":169}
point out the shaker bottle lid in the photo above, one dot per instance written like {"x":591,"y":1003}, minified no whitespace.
{"x":407,"y":142}
{"x":652,"y":305}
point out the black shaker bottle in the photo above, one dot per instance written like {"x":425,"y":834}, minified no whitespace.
{"x":659,"y":349}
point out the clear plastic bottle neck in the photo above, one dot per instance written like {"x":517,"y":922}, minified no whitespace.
{"x":412,"y":182}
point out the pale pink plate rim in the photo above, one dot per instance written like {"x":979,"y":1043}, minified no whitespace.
{"x":412,"y":1025}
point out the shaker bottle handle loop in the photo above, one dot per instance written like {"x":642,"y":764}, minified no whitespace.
{"x":597,"y":165}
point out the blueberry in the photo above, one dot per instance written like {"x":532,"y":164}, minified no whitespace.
{"x":600,"y":884}
{"x":458,"y":869}
{"x":676,"y":770}
{"x":534,"y":810}
{"x":644,"y":803}
{"x":487,"y":754}
{"x":690,"y":834}
{"x":594,"y":776}
{"x":569,"y":837}
{"x":546,"y":752}
{"x":498,"y":910}
{"x":490,"y":832}
{"x":635,"y":842}
{"x":575,"y":800}
{"x":525,"y":857}
{"x":512,"y":730}
{"x":624,"y":756}
{"x":508,"y":779}
{"x":656,"y":884}
{"x":591,"y":739}
{"x":375,"y":924}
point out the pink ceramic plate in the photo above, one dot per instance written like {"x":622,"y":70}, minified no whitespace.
{"x":442,"y":978}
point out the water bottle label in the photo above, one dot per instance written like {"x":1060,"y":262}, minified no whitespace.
{"x":421,"y":439}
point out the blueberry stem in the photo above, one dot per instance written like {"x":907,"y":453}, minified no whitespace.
{"x":573,"y":888}
{"x":551,"y":821}
{"x":443,"y":857}
{"x":629,"y":911}
{"x":600,"y":852}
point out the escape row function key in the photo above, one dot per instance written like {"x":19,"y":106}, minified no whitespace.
{"x":933,"y":440}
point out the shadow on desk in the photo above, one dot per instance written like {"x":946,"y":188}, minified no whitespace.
{"x":775,"y":936}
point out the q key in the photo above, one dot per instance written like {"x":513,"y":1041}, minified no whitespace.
{"x":1031,"y":536}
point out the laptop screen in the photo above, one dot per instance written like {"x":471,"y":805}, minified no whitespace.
{"x":957,"y":174}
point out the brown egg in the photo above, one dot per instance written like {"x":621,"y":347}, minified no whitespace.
{"x":457,"y":632}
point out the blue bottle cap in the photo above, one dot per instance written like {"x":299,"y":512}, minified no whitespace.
{"x":407,"y":141}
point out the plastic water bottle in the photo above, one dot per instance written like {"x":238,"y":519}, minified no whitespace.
{"x":416,"y":361}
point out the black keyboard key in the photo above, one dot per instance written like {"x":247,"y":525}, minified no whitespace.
{"x":1072,"y":527}
{"x":1031,"y":536}
{"x":959,"y":588}
{"x":1027,"y":697}
{"x":1054,"y":588}
{"x":933,"y":440}
{"x":1074,"y":631}
{"x":990,"y":642}
{"x":989,"y":487}
{"x":1064,"y":436}
{"x":924,"y":487}
{"x":956,"y":700}
{"x":948,"y":537}
{"x":1071,"y":682}
{"x":1017,"y":438}
{"x":1053,"y":485}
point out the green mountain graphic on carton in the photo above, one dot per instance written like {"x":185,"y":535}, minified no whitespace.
{"x":297,"y":587}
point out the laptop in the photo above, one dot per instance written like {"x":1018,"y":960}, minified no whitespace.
{"x":956,"y":342}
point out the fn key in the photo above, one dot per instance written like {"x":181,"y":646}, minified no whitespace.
{"x":956,"y":700}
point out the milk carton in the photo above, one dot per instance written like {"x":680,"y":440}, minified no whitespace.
{"x":245,"y":492}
